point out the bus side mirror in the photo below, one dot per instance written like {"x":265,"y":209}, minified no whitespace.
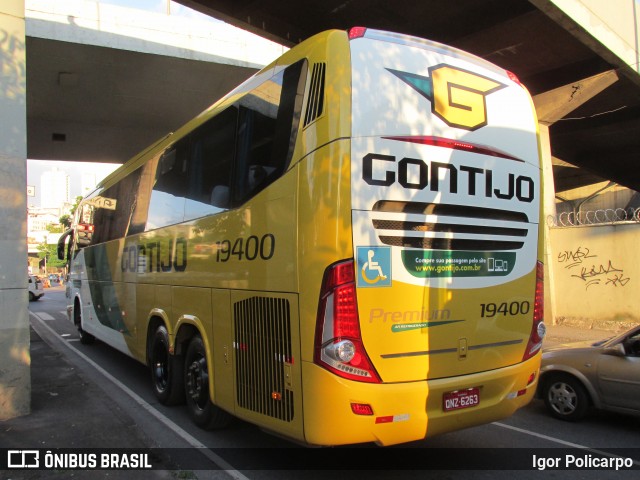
{"x":61,"y":243}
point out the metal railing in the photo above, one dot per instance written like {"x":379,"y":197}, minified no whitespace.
{"x":594,"y":217}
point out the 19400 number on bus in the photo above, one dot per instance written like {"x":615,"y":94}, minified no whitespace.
{"x":514,"y":308}
{"x":251,"y":248}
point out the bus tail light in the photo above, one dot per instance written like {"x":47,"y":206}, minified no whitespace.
{"x":513,"y":77}
{"x":338,"y":343}
{"x":362,"y":409}
{"x":538,"y":328}
{"x":357,"y":32}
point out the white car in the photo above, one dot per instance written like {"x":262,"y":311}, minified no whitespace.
{"x":36,"y":290}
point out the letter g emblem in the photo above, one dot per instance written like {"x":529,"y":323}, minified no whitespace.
{"x":459,"y":97}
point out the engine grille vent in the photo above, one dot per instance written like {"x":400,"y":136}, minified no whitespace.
{"x":315,"y":104}
{"x":450,"y":227}
{"x":262,"y":342}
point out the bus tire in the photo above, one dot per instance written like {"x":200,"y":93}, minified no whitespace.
{"x":85,"y":338}
{"x":166,"y":370}
{"x":204,"y":414}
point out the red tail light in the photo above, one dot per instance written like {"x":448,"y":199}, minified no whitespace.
{"x":357,"y":32}
{"x":512,"y":76}
{"x":338,"y":343}
{"x":538,"y":328}
{"x":454,"y":145}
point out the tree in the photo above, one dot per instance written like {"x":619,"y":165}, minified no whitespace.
{"x":53,"y":228}
{"x":65,"y":220}
{"x":50,"y":253}
{"x":72,"y":212}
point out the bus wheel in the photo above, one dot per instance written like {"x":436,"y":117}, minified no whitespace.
{"x":85,"y":338}
{"x":196,"y":383}
{"x":166,"y":370}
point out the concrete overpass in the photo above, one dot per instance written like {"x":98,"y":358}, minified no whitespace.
{"x":104,"y":82}
{"x":71,"y":99}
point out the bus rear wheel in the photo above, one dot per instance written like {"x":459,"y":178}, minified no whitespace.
{"x":196,"y":384}
{"x":166,"y":370}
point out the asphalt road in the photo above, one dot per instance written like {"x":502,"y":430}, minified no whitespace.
{"x":513,"y":442}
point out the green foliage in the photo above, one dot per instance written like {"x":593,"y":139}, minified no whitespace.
{"x":72,"y":212}
{"x":65,"y":221}
{"x":53,"y":228}
{"x":50,"y":252}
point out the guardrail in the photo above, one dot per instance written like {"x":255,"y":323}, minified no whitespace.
{"x":594,"y":217}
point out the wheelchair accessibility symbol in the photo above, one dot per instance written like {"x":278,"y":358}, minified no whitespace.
{"x":374,"y":266}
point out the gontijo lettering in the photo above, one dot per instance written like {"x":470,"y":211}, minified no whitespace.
{"x":160,"y":256}
{"x":417,"y":174}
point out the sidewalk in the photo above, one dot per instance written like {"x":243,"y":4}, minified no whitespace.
{"x":557,"y":334}
{"x":70,"y":411}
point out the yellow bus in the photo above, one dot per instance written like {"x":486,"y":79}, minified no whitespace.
{"x":344,"y":249}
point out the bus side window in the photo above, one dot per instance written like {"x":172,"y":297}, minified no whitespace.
{"x":84,"y":226}
{"x":112,"y":209}
{"x":166,"y":204}
{"x":140,"y":207}
{"x":210,"y":165}
{"x":267,"y":130}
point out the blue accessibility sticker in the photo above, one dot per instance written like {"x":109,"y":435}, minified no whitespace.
{"x":374,"y":266}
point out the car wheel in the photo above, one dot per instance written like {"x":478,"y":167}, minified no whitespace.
{"x":32,"y":297}
{"x":166,"y":370}
{"x":565,"y":397}
{"x":196,"y":384}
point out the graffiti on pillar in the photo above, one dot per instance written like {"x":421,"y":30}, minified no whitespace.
{"x":585,"y":266}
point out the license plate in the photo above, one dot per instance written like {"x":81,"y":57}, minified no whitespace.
{"x":458,"y":399}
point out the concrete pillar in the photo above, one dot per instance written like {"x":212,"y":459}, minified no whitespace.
{"x":551,"y":106}
{"x":549,"y":209}
{"x":15,"y":377}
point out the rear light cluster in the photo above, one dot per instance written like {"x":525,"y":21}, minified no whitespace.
{"x":513,"y":77}
{"x":538,"y":329}
{"x":357,"y":32}
{"x":454,"y":145}
{"x":338,"y":342}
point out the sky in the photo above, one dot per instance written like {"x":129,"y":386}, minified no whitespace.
{"x":35,"y":168}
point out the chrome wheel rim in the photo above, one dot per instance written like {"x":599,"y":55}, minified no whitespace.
{"x":563,"y":398}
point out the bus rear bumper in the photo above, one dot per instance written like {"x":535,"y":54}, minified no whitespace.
{"x":405,"y":412}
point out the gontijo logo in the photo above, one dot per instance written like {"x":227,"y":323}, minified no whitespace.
{"x":457,"y":97}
